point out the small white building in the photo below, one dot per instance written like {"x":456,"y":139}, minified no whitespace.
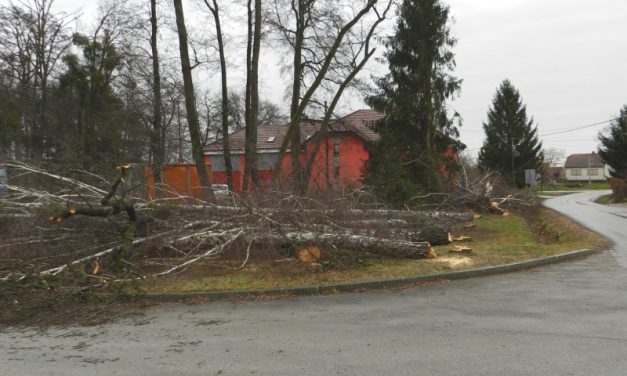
{"x":585,"y":167}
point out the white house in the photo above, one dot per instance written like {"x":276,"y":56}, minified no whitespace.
{"x":585,"y":167}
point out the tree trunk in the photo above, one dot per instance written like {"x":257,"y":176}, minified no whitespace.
{"x":378,"y":246}
{"x":293,"y":131}
{"x":225,"y":95}
{"x":190,"y":104}
{"x":252,"y":96}
{"x":296,"y":86}
{"x":433,"y":232}
{"x":157,"y":143}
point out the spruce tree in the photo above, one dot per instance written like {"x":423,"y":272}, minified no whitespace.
{"x":613,"y":148}
{"x":511,"y":144}
{"x":413,"y":97}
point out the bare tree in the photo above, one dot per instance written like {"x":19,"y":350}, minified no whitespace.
{"x":190,"y":103}
{"x":32,"y":41}
{"x":319,"y":64}
{"x":552,"y":156}
{"x":252,"y":95}
{"x":157,"y":143}
{"x":215,"y":11}
{"x":359,"y":59}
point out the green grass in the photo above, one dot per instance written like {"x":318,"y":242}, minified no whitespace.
{"x":574,"y":187}
{"x":605,"y":200}
{"x":496,"y":240}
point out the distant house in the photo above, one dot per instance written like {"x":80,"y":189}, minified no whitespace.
{"x":585,"y":167}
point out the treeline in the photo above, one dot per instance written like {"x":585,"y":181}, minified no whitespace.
{"x":112,"y":89}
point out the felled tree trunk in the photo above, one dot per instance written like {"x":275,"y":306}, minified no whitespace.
{"x":378,"y":246}
{"x":435,"y":235}
{"x":434,"y":232}
{"x":107,"y":207}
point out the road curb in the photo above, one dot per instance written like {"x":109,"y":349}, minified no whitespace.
{"x":372,"y":285}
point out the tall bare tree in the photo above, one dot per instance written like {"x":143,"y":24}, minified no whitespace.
{"x":319,"y":65}
{"x":215,"y":11}
{"x":32,"y":41}
{"x":190,"y":103}
{"x":252,"y":95}
{"x":360,"y":57}
{"x":157,"y":142}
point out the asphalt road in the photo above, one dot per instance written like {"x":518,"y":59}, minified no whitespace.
{"x":565,"y":319}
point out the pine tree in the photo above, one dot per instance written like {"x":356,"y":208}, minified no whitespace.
{"x":511,"y":144}
{"x":614,"y":145}
{"x":413,"y":97}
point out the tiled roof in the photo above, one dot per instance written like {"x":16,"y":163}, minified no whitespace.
{"x":581,"y":161}
{"x":362,"y":123}
{"x":270,"y":137}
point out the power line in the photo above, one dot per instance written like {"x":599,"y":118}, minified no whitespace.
{"x":558,"y":131}
{"x":566,"y":130}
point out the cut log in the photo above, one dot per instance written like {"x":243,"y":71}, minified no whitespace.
{"x":495,"y":209}
{"x":434,"y":234}
{"x":432,"y":231}
{"x":378,"y":246}
{"x":309,"y":254}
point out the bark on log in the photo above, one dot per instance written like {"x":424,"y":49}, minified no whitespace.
{"x":434,"y":233}
{"x":379,"y":246}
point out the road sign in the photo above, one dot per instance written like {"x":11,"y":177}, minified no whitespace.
{"x":530,"y":177}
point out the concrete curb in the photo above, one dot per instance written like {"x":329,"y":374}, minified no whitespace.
{"x":373,"y":285}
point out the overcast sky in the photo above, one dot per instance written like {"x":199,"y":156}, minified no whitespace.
{"x":568,"y":58}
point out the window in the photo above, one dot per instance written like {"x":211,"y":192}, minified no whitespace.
{"x":271,"y":139}
{"x":593,"y":172}
{"x":575,"y":172}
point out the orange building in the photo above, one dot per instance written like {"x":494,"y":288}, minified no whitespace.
{"x":339,"y":162}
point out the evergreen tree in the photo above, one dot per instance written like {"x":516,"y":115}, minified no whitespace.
{"x":413,"y":97}
{"x":87,"y":110}
{"x":511,"y":144}
{"x":614,"y":145}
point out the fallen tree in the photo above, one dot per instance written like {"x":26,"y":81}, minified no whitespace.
{"x":86,"y":235}
{"x":366,"y":244}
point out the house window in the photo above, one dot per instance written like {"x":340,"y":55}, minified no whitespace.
{"x":575,"y":172}
{"x":218,"y":165}
{"x":593,"y":172}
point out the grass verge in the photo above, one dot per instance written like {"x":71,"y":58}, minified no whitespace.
{"x":496,"y":240}
{"x":575,"y":187}
{"x":605,"y":200}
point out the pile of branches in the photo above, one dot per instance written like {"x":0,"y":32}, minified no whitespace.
{"x":487,"y":192}
{"x":103,"y":231}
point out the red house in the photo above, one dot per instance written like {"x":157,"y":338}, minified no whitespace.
{"x":339,"y":162}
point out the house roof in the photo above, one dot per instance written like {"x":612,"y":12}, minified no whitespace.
{"x":270,"y":137}
{"x":592,"y":160}
{"x":361,"y":122}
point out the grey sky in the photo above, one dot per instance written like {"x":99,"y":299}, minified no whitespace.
{"x":568,"y":58}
